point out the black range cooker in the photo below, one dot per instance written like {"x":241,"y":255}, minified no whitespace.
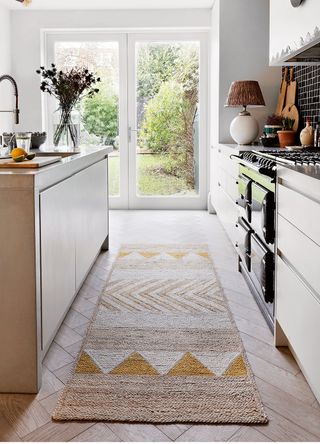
{"x":256,"y":223}
{"x":256,"y":228}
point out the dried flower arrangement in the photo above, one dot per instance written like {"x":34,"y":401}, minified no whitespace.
{"x":69,"y":88}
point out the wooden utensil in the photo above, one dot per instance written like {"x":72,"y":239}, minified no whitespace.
{"x":291,"y":111}
{"x":282,"y":93}
{"x":37,"y":162}
{"x":291,"y":89}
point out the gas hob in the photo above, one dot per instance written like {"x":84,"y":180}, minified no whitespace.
{"x":295,"y":157}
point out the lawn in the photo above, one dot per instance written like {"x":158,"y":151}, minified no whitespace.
{"x":152,"y":181}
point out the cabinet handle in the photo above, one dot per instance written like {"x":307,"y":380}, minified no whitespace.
{"x":219,"y":150}
{"x":237,"y":182}
{"x":219,"y":184}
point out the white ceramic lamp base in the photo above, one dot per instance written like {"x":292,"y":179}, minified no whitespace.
{"x":244,"y":129}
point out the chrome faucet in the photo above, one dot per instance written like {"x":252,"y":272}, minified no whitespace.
{"x":15,"y":87}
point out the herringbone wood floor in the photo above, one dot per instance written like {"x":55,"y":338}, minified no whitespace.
{"x":293,"y":411}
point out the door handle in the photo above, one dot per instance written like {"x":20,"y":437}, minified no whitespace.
{"x":131,"y":130}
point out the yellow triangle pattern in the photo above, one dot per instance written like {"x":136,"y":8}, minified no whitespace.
{"x":135,"y":364}
{"x":86,"y":365}
{"x":148,"y":254}
{"x":237,"y":368}
{"x":124,"y":254}
{"x":204,"y":254}
{"x":178,"y":255}
{"x":188,"y":365}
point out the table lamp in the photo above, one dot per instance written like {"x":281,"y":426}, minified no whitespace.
{"x":244,"y":128}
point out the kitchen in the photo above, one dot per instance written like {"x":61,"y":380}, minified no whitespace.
{"x":262,"y":221}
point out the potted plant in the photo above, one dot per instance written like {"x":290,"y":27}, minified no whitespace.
{"x":287,"y":135}
{"x":273,"y":124}
{"x":69,"y":88}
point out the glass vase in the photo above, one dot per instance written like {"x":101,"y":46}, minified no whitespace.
{"x":66,"y":129}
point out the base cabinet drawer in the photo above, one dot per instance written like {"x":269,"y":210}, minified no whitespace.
{"x":302,"y":212}
{"x":298,"y":313}
{"x":300,"y":251}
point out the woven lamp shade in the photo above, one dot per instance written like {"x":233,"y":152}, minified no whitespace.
{"x":245,"y":93}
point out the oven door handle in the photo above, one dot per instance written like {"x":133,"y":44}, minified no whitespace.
{"x":234,"y":155}
{"x":270,"y":172}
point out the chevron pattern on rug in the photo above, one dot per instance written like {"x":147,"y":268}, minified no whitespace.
{"x":163,"y":346}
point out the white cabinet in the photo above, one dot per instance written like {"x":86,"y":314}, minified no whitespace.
{"x":224,"y":188}
{"x":90,"y":212}
{"x":74,"y":226}
{"x":298,"y":313}
{"x":57,"y":256}
{"x":54,"y":221}
{"x":297,"y":270}
{"x":300,"y":251}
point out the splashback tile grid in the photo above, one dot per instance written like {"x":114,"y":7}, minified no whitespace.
{"x":308,"y":93}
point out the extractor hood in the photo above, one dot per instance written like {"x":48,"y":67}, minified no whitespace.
{"x":309,"y":55}
{"x":294,"y":32}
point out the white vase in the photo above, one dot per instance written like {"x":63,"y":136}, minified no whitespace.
{"x":244,"y":129}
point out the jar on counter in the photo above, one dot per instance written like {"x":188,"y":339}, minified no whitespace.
{"x":307,"y":134}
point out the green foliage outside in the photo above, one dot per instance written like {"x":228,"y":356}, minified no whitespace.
{"x":162,"y":119}
{"x":100,"y":116}
{"x":154,"y":177}
{"x":156,"y":65}
{"x":167,"y":96}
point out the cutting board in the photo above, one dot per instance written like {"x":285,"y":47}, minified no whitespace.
{"x":291,"y":90}
{"x":291,"y":111}
{"x":37,"y":162}
{"x":282,"y":93}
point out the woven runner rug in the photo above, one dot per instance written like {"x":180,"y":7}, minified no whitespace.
{"x":162,"y":346}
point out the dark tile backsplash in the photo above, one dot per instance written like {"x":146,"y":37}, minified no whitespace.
{"x":308,"y":93}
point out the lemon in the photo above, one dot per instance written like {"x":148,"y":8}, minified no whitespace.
{"x":30,"y":156}
{"x":19,"y":158}
{"x":18,"y":152}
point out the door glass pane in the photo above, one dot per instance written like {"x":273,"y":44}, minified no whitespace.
{"x":167,"y":110}
{"x":100,"y":114}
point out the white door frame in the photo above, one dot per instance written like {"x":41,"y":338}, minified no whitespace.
{"x":196,"y":202}
{"x":51,"y":37}
{"x":127,"y":108}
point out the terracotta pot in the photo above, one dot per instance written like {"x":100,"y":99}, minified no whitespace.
{"x":287,"y":138}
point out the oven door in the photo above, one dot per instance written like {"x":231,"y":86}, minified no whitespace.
{"x":262,"y":270}
{"x":244,"y":200}
{"x":243,"y":243}
{"x":262,"y":208}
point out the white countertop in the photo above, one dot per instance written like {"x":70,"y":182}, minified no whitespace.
{"x":312,"y":171}
{"x":41,"y":178}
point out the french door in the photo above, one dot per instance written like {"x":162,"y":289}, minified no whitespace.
{"x":152,"y":107}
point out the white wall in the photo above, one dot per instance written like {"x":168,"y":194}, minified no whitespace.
{"x":6,"y":92}
{"x":240,"y":51}
{"x":26,"y":27}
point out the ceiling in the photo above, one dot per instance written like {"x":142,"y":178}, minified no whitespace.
{"x":109,"y":4}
